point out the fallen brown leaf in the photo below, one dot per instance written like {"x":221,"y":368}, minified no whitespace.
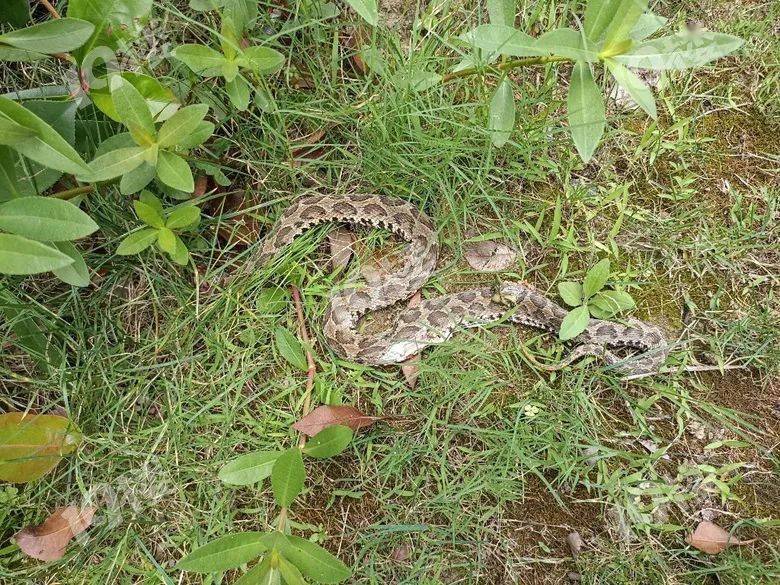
{"x":489,"y":256}
{"x":712,"y":539}
{"x":341,"y":242}
{"x":401,"y":553}
{"x":48,"y":541}
{"x":325,"y":416}
{"x":411,"y":367}
{"x":574,"y":540}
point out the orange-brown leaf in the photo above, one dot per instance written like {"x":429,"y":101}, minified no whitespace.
{"x":325,"y":416}
{"x":712,"y":539}
{"x":48,"y":541}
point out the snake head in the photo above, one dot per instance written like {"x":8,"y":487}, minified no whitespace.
{"x":510,"y":294}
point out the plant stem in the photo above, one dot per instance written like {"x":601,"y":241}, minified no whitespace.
{"x":75,"y":192}
{"x":506,"y":66}
{"x":48,"y":6}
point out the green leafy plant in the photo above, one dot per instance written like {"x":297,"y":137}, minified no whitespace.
{"x":284,"y":556}
{"x":164,"y":228}
{"x":589,"y":298}
{"x":615,"y":36}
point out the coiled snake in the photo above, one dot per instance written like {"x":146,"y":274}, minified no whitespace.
{"x":434,"y":320}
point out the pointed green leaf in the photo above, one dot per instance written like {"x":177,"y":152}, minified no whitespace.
{"x":15,"y":12}
{"x":261,"y":60}
{"x":166,"y":241}
{"x":315,"y":562}
{"x":289,"y":572}
{"x":45,"y":219}
{"x":626,"y":17}
{"x":571,"y":293}
{"x":179,"y":126}
{"x":290,"y":348}
{"x":648,"y":24}
{"x":14,"y":55}
{"x":566,"y":42}
{"x":52,"y":36}
{"x":598,"y":15}
{"x":202,"y":60}
{"x":133,"y":111}
{"x":11,"y":132}
{"x":181,"y":254}
{"x":367,"y":9}
{"x":287,"y":477}
{"x":148,"y":214}
{"x":504,"y":40}
{"x":635,"y":87}
{"x":680,"y":51}
{"x":587,"y":118}
{"x":47,"y":147}
{"x":502,"y":113}
{"x":76,"y":274}
{"x":158,"y":97}
{"x":183,"y":217}
{"x":574,"y":323}
{"x":612,"y":302}
{"x":329,"y":442}
{"x":226,"y":552}
{"x":198,"y":136}
{"x":21,"y":256}
{"x":502,"y":12}
{"x":596,"y":278}
{"x":249,"y":469}
{"x":152,"y":200}
{"x":116,"y":163}
{"x":137,"y":242}
{"x":239,"y":92}
{"x":263,"y":573}
{"x":135,"y":180}
{"x":175,"y":172}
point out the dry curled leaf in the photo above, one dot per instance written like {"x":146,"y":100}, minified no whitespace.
{"x":489,"y":256}
{"x":712,"y":539}
{"x":341,"y":242}
{"x":401,"y":553}
{"x":48,"y":541}
{"x":574,"y":540}
{"x":325,"y":416}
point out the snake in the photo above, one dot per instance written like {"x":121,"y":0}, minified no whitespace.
{"x":434,"y":320}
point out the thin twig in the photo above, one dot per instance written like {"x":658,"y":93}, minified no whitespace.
{"x":50,"y":8}
{"x":75,"y":192}
{"x":506,"y":66}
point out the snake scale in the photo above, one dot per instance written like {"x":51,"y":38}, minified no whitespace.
{"x":435,"y":319}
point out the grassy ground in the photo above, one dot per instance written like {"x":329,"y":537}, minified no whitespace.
{"x":172,"y":373}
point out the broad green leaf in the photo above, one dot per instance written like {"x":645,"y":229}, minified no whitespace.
{"x":11,"y":132}
{"x":263,"y":573}
{"x":290,"y":348}
{"x":289,"y":572}
{"x":328,"y":442}
{"x":504,"y":40}
{"x":626,"y":17}
{"x":206,"y":5}
{"x":566,"y":42}
{"x":19,"y":255}
{"x":115,"y":163}
{"x":133,"y":111}
{"x":574,"y":323}
{"x":114,"y":20}
{"x":202,"y":60}
{"x":181,"y":255}
{"x":175,"y":172}
{"x":31,"y":445}
{"x":137,"y":242}
{"x":315,"y":562}
{"x":229,"y":70}
{"x":596,"y":278}
{"x":587,"y":118}
{"x":502,"y":113}
{"x":612,"y":302}
{"x":47,"y":147}
{"x":227,"y":552}
{"x":8,"y":180}
{"x":240,"y":13}
{"x":115,"y":142}
{"x":502,"y":11}
{"x":45,"y":219}
{"x":198,"y":136}
{"x":635,"y":87}
{"x":135,"y":180}
{"x":571,"y":293}
{"x":181,"y":125}
{"x":367,"y":9}
{"x":148,"y":214}
{"x":287,"y":477}
{"x":598,"y":15}
{"x":152,"y":200}
{"x":158,"y":97}
{"x":166,"y":241}
{"x":239,"y":92}
{"x":15,"y":55}
{"x":249,"y":469}
{"x":15,"y":12}
{"x":183,"y":217}
{"x":52,"y":36}
{"x":261,"y":60}
{"x":76,"y":274}
{"x":680,"y":51}
{"x":648,"y":24}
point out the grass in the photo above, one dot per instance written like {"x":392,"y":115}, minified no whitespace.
{"x":172,"y":373}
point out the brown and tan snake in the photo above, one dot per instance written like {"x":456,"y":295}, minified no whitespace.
{"x":435,"y":319}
